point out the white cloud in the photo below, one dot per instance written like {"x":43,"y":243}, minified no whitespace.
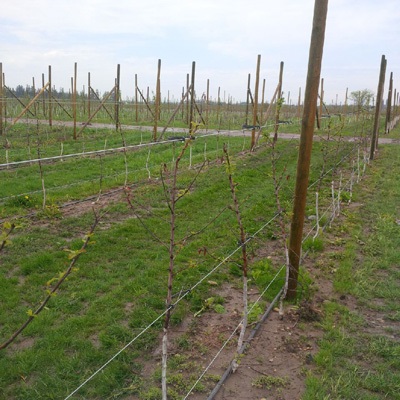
{"x":222,"y":36}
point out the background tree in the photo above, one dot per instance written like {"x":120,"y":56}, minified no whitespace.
{"x":361,"y":99}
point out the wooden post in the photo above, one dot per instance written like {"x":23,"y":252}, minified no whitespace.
{"x":255,"y":105}
{"x":192,"y":98}
{"x":278,"y":102}
{"x":117,"y":97}
{"x":306,"y":140}
{"x":389,"y":104}
{"x":299,"y":104}
{"x":89,"y":94}
{"x":50,"y":100}
{"x":321,"y":99}
{"x":248,"y":99}
{"x":43,"y":98}
{"x":262,"y":100}
{"x":147,"y":101}
{"x":136,"y":100}
{"x":187,"y":101}
{"x":345,"y":102}
{"x":157,"y":102}
{"x":1,"y":99}
{"x":207,"y":101}
{"x":34,"y":93}
{"x":378,"y":105}
{"x":218,"y":102}
{"x":74,"y":97}
{"x":4,"y":98}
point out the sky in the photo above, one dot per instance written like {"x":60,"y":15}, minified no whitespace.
{"x":223,"y":37}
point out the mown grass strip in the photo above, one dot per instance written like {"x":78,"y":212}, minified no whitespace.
{"x":359,"y":353}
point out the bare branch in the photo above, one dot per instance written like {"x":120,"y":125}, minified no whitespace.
{"x":50,"y":293}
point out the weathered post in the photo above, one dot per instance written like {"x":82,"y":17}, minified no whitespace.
{"x":157,"y":102}
{"x":207,"y":102}
{"x":306,"y":140}
{"x":299,"y":104}
{"x":136,"y":100}
{"x":248,"y":99}
{"x":187,"y":101}
{"x":88,"y":94}
{"x":389,"y":104}
{"x":117,"y":97}
{"x":43,"y":97}
{"x":378,"y":105}
{"x":321,"y":99}
{"x":218,"y":102}
{"x":192,"y":98}
{"x":255,"y":105}
{"x":74,"y":97}
{"x":262,"y":101}
{"x":50,"y":99}
{"x":34,"y":93}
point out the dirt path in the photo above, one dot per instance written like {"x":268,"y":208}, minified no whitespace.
{"x":185,"y":131}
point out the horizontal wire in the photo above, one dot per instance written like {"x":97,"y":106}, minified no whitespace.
{"x":171,"y":306}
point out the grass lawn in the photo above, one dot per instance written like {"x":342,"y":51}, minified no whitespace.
{"x":119,"y":284}
{"x":359,"y":355}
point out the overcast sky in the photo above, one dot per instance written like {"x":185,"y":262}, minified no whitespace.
{"x":224,"y":37}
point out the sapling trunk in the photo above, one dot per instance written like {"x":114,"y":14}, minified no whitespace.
{"x":244,"y":251}
{"x":277,"y":188}
{"x":172,"y":200}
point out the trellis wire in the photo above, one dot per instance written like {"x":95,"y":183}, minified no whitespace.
{"x":178,"y":301}
{"x":173,"y":305}
{"x":147,"y":168}
{"x":234,"y":332}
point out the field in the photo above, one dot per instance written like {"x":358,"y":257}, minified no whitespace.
{"x":86,"y":255}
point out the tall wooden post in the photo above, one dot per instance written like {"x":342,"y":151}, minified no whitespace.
{"x":321,"y":99}
{"x":248,"y":99}
{"x":389,"y":104}
{"x":218,"y":102}
{"x":345,"y":102}
{"x":262,"y":101}
{"x":50,"y":99}
{"x":207,"y":102}
{"x":74,"y":97}
{"x":192,"y":97}
{"x":378,"y":105}
{"x":117,"y":97}
{"x":299,"y":104}
{"x":157,"y":102}
{"x":278,"y":102}
{"x":306,"y":140}
{"x":1,"y":99}
{"x":34,"y":94}
{"x":89,"y":94}
{"x":255,"y":105}
{"x":187,"y":101}
{"x":43,"y":97}
{"x":4,"y":98}
{"x":136,"y":100}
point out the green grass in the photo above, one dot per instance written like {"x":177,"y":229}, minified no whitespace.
{"x":354,"y":362}
{"x":119,"y":285}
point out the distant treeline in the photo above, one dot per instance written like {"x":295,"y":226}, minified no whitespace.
{"x":29,"y":91}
